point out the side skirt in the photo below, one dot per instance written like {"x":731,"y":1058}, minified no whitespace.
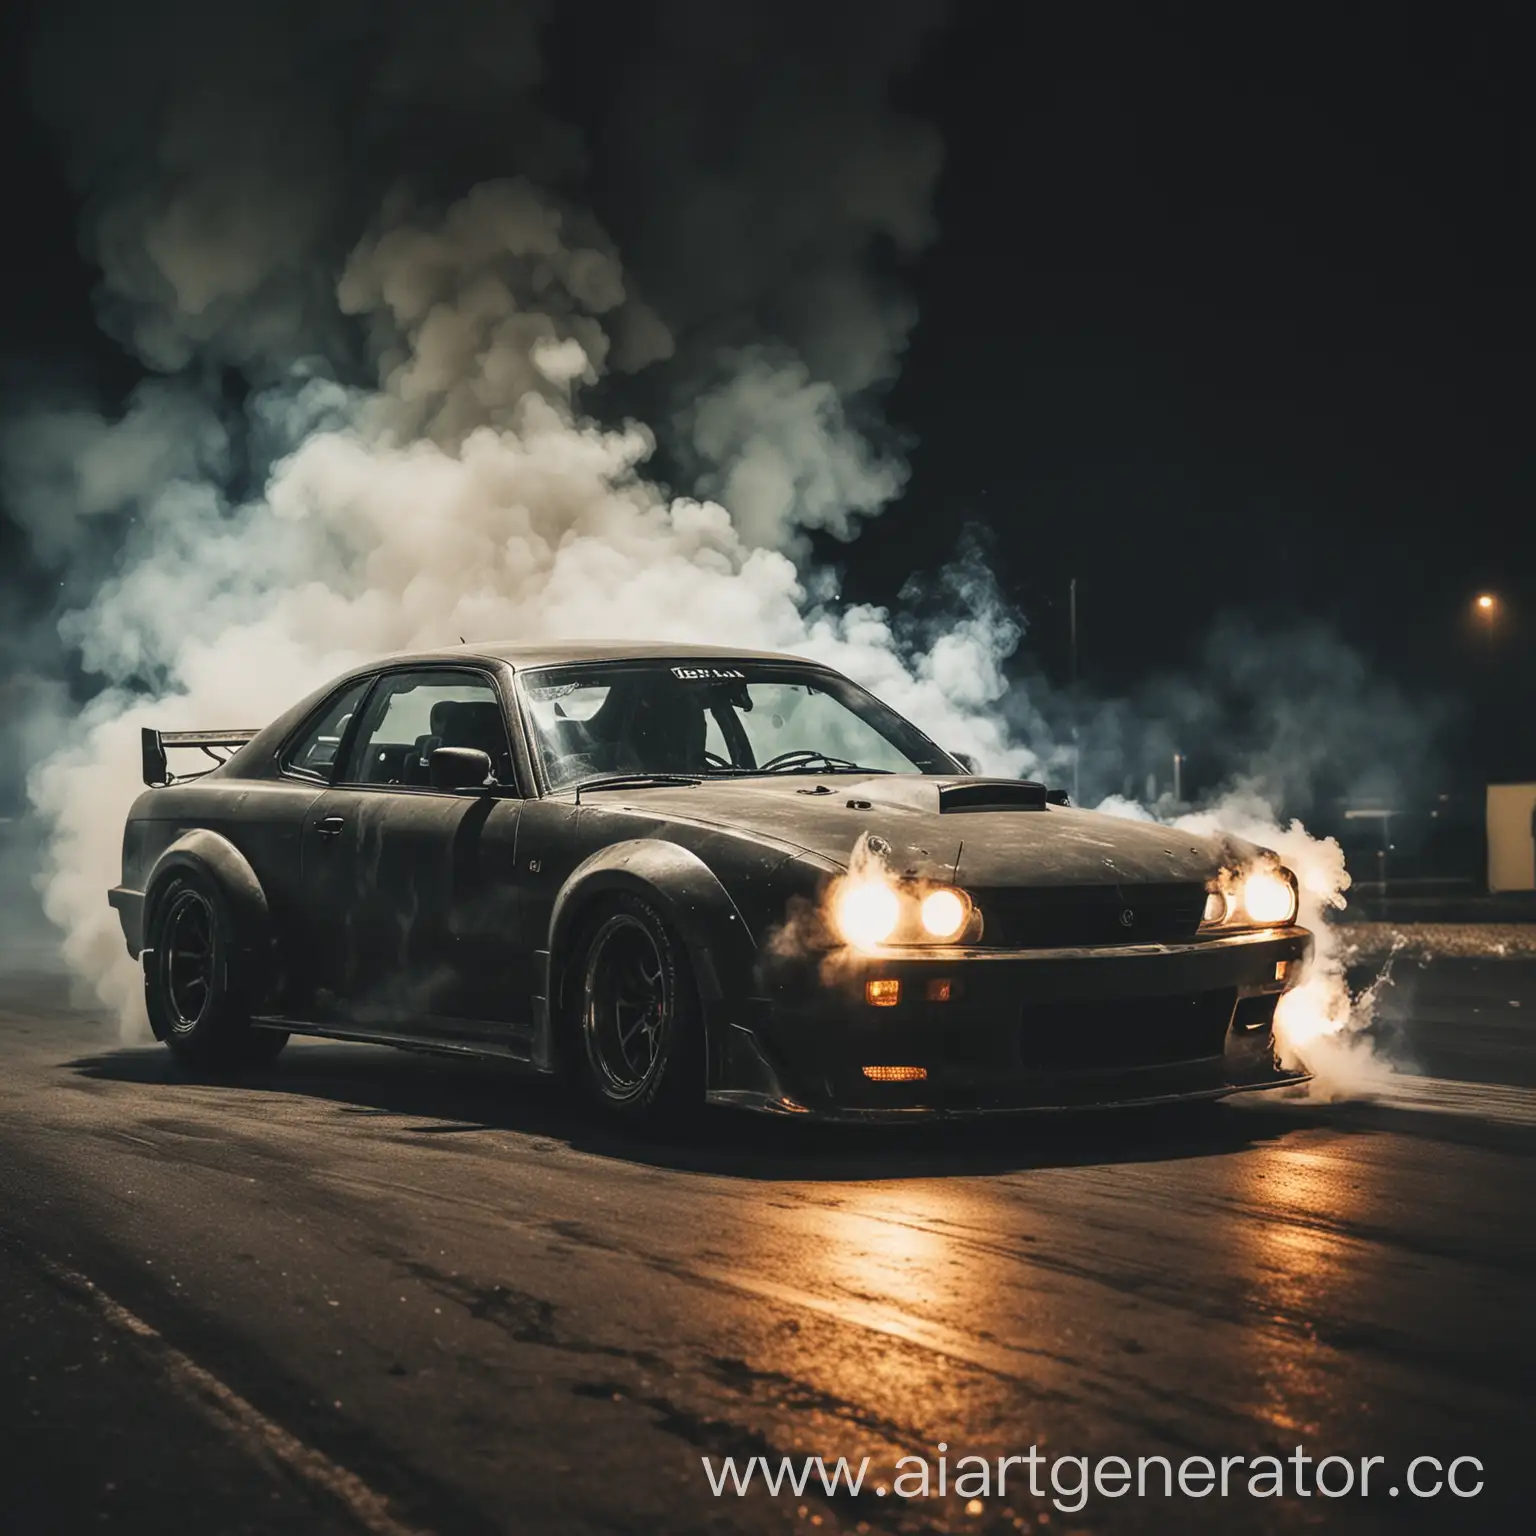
{"x":464,"y":1037}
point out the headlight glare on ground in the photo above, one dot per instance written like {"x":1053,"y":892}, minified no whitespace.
{"x":867,"y":912}
{"x":945,"y":913}
{"x":1269,"y":898}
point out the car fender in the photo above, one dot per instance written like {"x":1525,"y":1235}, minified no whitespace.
{"x":213,"y":856}
{"x":689,"y":896}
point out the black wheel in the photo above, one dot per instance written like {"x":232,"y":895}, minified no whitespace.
{"x":194,"y":999}
{"x":637,"y":1010}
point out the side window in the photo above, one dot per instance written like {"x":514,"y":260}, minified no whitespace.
{"x":411,"y":714}
{"x":312,"y":753}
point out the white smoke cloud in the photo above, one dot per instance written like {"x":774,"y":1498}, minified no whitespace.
{"x":783,"y":456}
{"x":228,"y":157}
{"x":413,"y":460}
{"x":496,"y":302}
{"x":467,"y":495}
{"x":774,"y":179}
{"x":778,"y":209}
{"x":62,"y":469}
{"x":1321,"y":1025}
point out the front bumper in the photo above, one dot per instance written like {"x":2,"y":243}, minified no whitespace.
{"x":1020,"y":1030}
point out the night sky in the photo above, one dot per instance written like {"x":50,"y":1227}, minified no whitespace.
{"x":1222,"y":315}
{"x":1232,"y":316}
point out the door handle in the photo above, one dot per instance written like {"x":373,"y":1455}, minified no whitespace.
{"x":330,"y":826}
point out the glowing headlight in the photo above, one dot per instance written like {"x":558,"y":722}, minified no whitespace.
{"x":945,"y":913}
{"x":1269,"y":898}
{"x":867,"y":912}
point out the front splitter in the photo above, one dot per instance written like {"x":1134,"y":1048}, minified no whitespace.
{"x":782,"y":1104}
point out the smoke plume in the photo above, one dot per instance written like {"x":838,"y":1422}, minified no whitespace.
{"x":1321,"y":1025}
{"x":418,"y":446}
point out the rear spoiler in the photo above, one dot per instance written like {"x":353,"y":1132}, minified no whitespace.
{"x":154,"y":744}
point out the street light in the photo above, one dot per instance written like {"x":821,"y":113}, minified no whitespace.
{"x":1486,"y":608}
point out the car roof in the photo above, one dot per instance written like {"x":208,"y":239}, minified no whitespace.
{"x":520,"y":656}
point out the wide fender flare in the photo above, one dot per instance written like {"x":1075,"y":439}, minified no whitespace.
{"x":690,"y":897}
{"x":215,"y":858}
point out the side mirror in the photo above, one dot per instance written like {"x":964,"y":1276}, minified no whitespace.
{"x":460,"y":768}
{"x":965,"y":760}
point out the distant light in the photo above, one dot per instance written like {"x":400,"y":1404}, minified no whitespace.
{"x":1487,"y":602}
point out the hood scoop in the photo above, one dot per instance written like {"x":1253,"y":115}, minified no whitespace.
{"x":977,"y":794}
{"x":928,"y":793}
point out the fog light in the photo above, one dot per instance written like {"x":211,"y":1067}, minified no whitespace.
{"x":937,"y":991}
{"x":885,"y":993}
{"x":896,"y":1074}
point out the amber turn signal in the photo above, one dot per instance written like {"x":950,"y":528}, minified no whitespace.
{"x":884,"y":993}
{"x":896,"y":1074}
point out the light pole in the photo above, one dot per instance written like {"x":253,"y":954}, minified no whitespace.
{"x":1072,"y":625}
{"x":1077,"y":748}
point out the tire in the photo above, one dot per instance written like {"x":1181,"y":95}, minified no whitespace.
{"x":195,"y":1000}
{"x":639,"y":1036}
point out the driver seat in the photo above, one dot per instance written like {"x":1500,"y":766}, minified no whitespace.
{"x":668,"y":730}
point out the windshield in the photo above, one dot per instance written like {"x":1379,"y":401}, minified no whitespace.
{"x":715,"y":720}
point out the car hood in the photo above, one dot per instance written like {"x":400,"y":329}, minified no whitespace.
{"x":1052,"y":845}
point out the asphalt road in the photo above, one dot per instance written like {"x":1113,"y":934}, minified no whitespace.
{"x":380,"y":1292}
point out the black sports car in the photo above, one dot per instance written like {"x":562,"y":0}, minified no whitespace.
{"x":689,"y":874}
